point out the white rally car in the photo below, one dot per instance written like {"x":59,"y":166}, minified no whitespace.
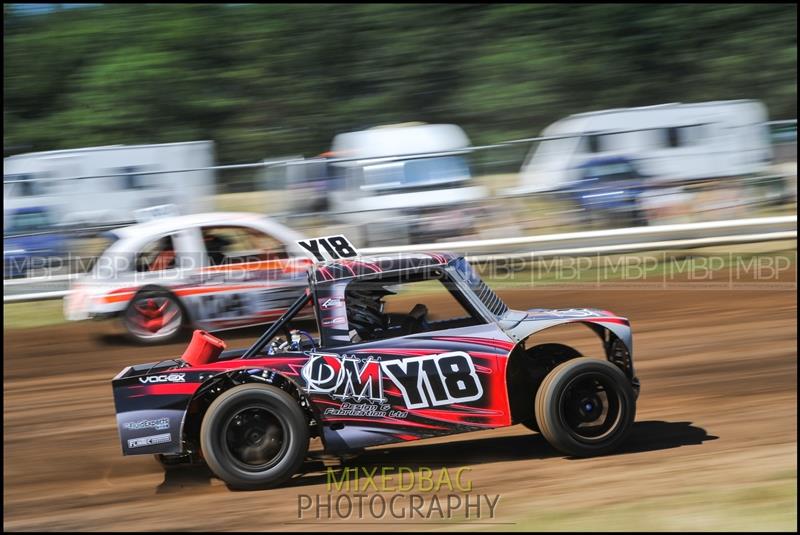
{"x":210,"y":271}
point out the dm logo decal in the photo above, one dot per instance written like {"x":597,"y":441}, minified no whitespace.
{"x":344,"y":377}
{"x":424,"y":381}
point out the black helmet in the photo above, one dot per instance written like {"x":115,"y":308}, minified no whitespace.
{"x":365,"y":310}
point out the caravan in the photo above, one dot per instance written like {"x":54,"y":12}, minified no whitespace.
{"x":670,"y":142}
{"x":107,"y":185}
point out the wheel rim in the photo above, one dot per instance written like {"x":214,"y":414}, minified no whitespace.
{"x":255,"y":438}
{"x":591,"y":407}
{"x":154,"y":317}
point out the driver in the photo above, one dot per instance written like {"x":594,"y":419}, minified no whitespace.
{"x":165,"y":259}
{"x":365,"y":312}
{"x":215,"y":247}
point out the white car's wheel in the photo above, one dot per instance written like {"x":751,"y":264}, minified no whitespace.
{"x":153,"y":317}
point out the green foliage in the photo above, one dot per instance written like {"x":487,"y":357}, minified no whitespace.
{"x":265,"y":80}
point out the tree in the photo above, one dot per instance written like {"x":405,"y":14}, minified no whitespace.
{"x":272,"y":80}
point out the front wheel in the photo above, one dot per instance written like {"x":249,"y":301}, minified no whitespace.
{"x":546,"y":357}
{"x":254,"y":436}
{"x":585,"y":407}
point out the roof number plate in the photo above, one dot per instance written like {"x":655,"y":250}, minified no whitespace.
{"x":329,"y":248}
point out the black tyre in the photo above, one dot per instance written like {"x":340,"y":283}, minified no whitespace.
{"x":585,"y":407}
{"x":546,"y":357}
{"x":154,"y":317}
{"x":254,"y":436}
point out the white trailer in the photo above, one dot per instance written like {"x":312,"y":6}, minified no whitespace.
{"x":673,"y":142}
{"x":119,"y":179}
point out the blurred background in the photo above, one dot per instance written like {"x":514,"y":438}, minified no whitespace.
{"x":316,"y":115}
{"x":499,"y":131}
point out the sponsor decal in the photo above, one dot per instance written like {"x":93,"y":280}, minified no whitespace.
{"x":334,"y":321}
{"x":149,"y":441}
{"x":423,"y":381}
{"x":365,"y":410}
{"x":155,"y":423}
{"x":331,"y":302}
{"x":434,"y":380}
{"x":344,"y":377}
{"x":222,"y":305}
{"x":170,"y":378}
{"x":329,"y":248}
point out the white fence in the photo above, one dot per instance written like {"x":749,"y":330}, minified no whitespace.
{"x":613,"y":241}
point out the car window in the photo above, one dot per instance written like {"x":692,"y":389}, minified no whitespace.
{"x":267,"y":245}
{"x":29,"y":221}
{"x":388,"y":308}
{"x":157,"y":255}
{"x":415,"y":172}
{"x":610,"y":171}
{"x":626,"y":142}
{"x":491,"y":300}
{"x":23,"y":184}
{"x":236,"y":244}
{"x":97,"y":250}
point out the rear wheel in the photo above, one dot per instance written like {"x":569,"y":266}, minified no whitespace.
{"x":254,"y":436}
{"x":153,"y":317}
{"x":585,"y":407}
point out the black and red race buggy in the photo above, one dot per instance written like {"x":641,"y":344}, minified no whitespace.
{"x":362,"y":375}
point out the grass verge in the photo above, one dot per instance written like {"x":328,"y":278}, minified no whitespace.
{"x":33,"y":314}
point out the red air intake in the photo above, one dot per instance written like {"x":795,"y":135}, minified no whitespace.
{"x":203,"y":349}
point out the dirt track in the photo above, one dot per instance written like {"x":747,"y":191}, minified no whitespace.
{"x":716,"y":432}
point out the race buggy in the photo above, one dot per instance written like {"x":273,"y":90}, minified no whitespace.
{"x":368,"y":371}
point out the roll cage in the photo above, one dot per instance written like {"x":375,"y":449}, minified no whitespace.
{"x":457,"y":277}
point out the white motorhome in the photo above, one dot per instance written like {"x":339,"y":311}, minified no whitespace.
{"x":673,"y":142}
{"x":394,"y":194}
{"x":119,"y":181}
